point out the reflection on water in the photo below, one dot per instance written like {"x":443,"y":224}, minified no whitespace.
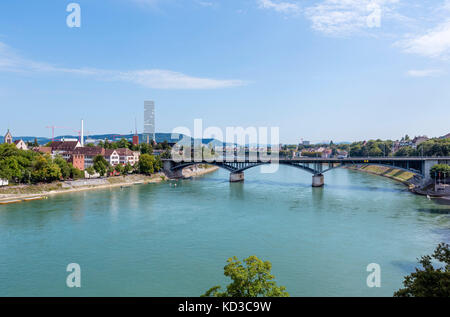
{"x":406,"y":266}
{"x":435,"y":210}
{"x":237,"y":190}
{"x":141,"y":240}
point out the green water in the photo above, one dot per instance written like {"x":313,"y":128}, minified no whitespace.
{"x":161,"y":240}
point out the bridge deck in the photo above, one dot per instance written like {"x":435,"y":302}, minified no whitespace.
{"x":251,"y":159}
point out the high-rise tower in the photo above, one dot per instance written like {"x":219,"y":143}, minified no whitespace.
{"x":149,"y":122}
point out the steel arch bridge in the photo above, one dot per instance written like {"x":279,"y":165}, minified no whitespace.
{"x":419,"y":166}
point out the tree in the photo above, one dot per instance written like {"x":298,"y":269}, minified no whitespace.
{"x":429,"y":281}
{"x":90,"y":170}
{"x":128,"y":168}
{"x":146,"y":164}
{"x":404,"y":151}
{"x":440,"y":171}
{"x":375,"y":151}
{"x":75,"y":173}
{"x":158,"y":164}
{"x":64,"y":166}
{"x":44,"y":170}
{"x":252,"y":280}
{"x":165,"y":145}
{"x":100,"y":165}
{"x":119,"y":168}
{"x":123,"y":144}
{"x":146,"y":148}
{"x":166,"y":154}
{"x":10,"y":169}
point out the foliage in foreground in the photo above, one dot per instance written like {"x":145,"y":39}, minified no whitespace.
{"x":252,"y":280}
{"x":429,"y":281}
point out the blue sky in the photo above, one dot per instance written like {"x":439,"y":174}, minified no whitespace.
{"x":320,"y":70}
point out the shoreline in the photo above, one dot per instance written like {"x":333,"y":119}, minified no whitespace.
{"x":111,"y":182}
{"x":385,"y":172}
{"x":406,"y":178}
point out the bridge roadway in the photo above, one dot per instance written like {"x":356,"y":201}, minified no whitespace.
{"x":420,"y":166}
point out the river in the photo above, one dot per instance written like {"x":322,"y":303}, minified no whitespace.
{"x":162,"y":240}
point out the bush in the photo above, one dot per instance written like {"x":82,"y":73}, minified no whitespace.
{"x":252,"y":280}
{"x":429,"y":281}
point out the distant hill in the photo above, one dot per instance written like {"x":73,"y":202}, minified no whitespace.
{"x":160,"y":137}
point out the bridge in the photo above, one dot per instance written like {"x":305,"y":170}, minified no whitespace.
{"x":420,"y":166}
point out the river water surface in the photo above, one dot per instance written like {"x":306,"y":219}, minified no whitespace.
{"x":162,"y":240}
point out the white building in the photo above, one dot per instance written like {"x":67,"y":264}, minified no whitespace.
{"x":21,"y":145}
{"x":112,"y":157}
{"x":128,"y":156}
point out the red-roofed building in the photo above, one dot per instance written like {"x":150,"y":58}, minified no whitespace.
{"x":43,"y":149}
{"x":128,"y":156}
{"x":77,"y":161}
{"x":88,"y":153}
{"x":64,"y":148}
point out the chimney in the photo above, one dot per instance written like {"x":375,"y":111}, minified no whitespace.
{"x":82,"y":133}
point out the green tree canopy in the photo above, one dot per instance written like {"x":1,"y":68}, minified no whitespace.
{"x":429,"y":281}
{"x":147,"y":164}
{"x":252,"y":280}
{"x":90,"y":170}
{"x":64,"y":166}
{"x":146,"y":148}
{"x":440,"y":171}
{"x":119,"y":168}
{"x":100,"y":165}
{"x":128,"y":168}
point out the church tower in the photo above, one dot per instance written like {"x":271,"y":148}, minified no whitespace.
{"x":8,"y":138}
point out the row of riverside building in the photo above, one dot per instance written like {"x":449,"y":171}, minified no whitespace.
{"x":80,"y":156}
{"x":83,"y":157}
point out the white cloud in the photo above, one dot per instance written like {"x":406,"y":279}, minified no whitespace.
{"x":282,"y":7}
{"x":342,"y":17}
{"x":424,"y":73}
{"x":205,"y":3}
{"x":145,"y":2}
{"x":165,"y":79}
{"x":151,"y":78}
{"x":433,"y":43}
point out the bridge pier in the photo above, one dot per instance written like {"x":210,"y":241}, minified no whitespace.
{"x":318,"y":180}
{"x":236,"y":177}
{"x":167,"y":165}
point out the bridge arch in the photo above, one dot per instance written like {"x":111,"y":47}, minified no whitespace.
{"x":237,"y":169}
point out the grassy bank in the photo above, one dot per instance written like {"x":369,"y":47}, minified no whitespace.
{"x":405,"y":177}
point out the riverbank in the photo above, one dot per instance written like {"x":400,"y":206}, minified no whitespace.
{"x":402,"y":176}
{"x":23,"y":193}
{"x":405,"y":177}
